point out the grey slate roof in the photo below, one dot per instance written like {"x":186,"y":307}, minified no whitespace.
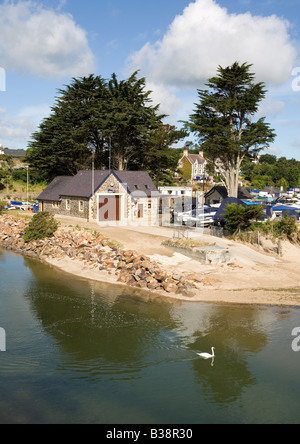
{"x":138,"y":183}
{"x":15,"y":153}
{"x":242,"y":192}
{"x":81,"y":184}
{"x":196,"y":158}
{"x":55,"y":189}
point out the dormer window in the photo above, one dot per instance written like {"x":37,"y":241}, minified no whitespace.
{"x":136,"y":187}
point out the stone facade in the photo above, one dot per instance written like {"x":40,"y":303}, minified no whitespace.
{"x":135,"y":206}
{"x":68,"y":206}
{"x":130,"y":204}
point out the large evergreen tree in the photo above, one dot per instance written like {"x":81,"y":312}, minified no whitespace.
{"x":159,"y":156}
{"x":222,"y":121}
{"x":66,"y":139}
{"x":131,"y":120}
{"x":110,"y":120}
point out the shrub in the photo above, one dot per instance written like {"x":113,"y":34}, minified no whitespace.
{"x":284,"y":228}
{"x":238,"y":217}
{"x":287,"y":226}
{"x":42,"y":225}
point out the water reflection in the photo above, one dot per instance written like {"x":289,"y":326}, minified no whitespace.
{"x":105,"y":330}
{"x":101,"y":329}
{"x":109,"y":346}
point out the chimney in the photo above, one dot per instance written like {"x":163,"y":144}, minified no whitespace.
{"x":201,"y":153}
{"x":186,"y":152}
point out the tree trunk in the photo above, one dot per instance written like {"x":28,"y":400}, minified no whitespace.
{"x":120,"y":164}
{"x":231,"y":176}
{"x":232,"y":183}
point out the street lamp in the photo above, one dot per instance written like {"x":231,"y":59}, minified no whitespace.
{"x":27,"y":167}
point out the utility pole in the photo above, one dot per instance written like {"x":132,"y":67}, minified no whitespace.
{"x":92,"y":209}
{"x":109,"y":166}
{"x":27,"y":167}
{"x":93,"y":173}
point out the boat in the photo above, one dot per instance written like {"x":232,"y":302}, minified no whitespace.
{"x":201,"y":217}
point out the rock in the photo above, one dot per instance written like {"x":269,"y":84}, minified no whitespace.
{"x":170,"y":287}
{"x":141,"y":284}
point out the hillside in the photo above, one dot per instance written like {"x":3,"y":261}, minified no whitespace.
{"x":18,"y":191}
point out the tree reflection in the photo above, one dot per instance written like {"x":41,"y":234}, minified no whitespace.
{"x":101,"y":329}
{"x":108,"y":330}
{"x":235,"y":337}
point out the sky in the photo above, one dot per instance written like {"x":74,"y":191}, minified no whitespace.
{"x":176,"y":44}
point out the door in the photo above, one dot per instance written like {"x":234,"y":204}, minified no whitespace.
{"x":109,"y":208}
{"x":140,"y":211}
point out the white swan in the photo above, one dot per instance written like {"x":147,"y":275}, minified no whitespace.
{"x":207,"y":355}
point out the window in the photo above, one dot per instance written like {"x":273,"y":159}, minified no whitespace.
{"x":55,"y":204}
{"x":67,"y":204}
{"x":146,"y":186}
{"x":81,"y":206}
{"x":136,"y":187}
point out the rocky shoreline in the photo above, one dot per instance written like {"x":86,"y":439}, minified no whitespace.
{"x":95,"y":252}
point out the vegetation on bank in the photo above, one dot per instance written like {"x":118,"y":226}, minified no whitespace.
{"x":239,"y":217}
{"x":41,"y":226}
{"x":242,"y":223}
{"x":188,"y":244}
{"x":286,"y":228}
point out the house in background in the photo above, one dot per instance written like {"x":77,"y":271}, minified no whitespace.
{"x":218,"y":193}
{"x":176,"y":191}
{"x":17,"y":156}
{"x":102,"y":196}
{"x":192,"y":167}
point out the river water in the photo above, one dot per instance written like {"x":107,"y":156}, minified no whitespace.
{"x":85,"y":352}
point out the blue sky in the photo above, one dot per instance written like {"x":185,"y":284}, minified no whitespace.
{"x":176,"y":44}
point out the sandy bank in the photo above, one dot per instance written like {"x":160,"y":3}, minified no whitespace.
{"x":275,"y":282}
{"x":251,"y":277}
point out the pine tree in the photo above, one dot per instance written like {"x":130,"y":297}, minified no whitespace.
{"x":222,"y":121}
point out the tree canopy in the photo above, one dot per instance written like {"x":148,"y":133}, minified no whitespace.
{"x":222,"y":121}
{"x":111,"y":120}
{"x":272,"y":171}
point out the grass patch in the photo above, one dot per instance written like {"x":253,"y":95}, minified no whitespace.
{"x":189,"y":244}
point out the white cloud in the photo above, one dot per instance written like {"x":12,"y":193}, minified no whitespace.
{"x":270,"y":107}
{"x":205,"y":36}
{"x":43,"y":42}
{"x":167,"y":99}
{"x":16,"y":130}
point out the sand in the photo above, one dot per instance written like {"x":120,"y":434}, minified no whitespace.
{"x":252,"y":277}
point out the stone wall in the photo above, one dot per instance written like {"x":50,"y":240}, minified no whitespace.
{"x":74,"y":209}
